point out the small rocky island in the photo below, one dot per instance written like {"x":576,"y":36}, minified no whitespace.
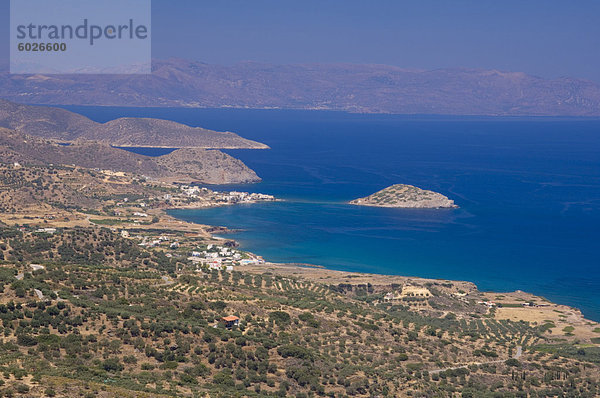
{"x":405,"y":196}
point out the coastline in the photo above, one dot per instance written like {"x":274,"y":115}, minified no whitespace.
{"x":354,"y":203}
{"x":141,"y":217}
{"x":516,"y":305}
{"x":442,"y":327}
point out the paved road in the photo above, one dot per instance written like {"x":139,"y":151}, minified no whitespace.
{"x":516,"y":356}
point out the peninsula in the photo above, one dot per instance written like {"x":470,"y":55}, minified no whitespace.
{"x":63,"y":126}
{"x":405,"y":196}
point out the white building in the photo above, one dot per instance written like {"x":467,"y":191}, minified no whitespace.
{"x":46,"y":230}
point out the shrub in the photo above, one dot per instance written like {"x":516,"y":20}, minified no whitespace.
{"x":112,"y":365}
{"x":303,"y":375}
{"x":280,"y":317}
{"x":485,"y":353}
{"x":309,"y":319}
{"x":224,"y":378}
{"x":50,"y":392}
{"x":26,"y":340}
{"x":218,"y":305}
{"x":169,"y":365}
{"x":130,"y":359}
{"x":22,"y":388}
{"x":294,"y":351}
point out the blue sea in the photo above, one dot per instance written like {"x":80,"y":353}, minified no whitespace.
{"x":528,"y":191}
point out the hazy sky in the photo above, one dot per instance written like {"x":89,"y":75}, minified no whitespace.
{"x":542,"y":37}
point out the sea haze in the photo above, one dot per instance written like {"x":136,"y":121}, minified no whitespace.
{"x":528,"y":191}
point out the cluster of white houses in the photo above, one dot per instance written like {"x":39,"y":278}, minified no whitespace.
{"x":46,"y":230}
{"x":154,"y":242}
{"x":212,"y":257}
{"x":200,"y":196}
{"x":226,"y":197}
{"x":221,"y":258}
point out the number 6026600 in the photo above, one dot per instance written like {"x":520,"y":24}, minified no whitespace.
{"x":48,"y":47}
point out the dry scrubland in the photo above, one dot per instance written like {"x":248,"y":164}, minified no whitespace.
{"x":87,"y":312}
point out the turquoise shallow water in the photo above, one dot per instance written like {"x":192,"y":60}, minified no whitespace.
{"x":528,"y":190}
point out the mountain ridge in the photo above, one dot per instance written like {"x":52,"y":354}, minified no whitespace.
{"x":60,"y":124}
{"x":343,"y":87}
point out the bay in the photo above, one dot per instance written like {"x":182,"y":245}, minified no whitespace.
{"x":528,"y":191}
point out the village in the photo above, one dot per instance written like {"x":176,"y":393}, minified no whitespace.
{"x":232,"y":197}
{"x":187,"y":196}
{"x":136,"y":218}
{"x":199,"y":255}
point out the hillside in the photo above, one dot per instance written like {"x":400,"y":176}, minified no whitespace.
{"x":210,"y":166}
{"x":103,"y":294}
{"x":405,"y":196}
{"x":347,"y":87}
{"x":32,"y":189}
{"x":65,"y":126}
{"x":200,"y":165}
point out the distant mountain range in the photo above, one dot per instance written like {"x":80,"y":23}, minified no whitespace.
{"x":62,"y":125}
{"x":346,"y":87}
